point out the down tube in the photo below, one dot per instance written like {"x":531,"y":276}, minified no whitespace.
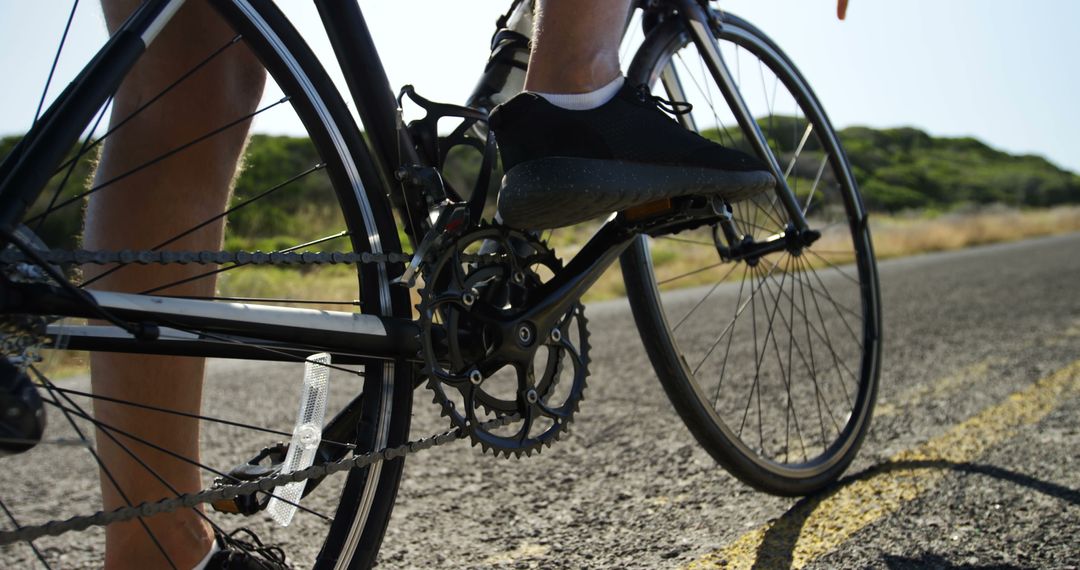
{"x":698,"y":25}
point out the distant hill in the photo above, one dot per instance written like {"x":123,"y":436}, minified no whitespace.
{"x":905,"y":168}
{"x":897,"y":169}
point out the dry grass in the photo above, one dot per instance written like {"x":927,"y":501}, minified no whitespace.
{"x":897,"y":236}
{"x":893,"y":236}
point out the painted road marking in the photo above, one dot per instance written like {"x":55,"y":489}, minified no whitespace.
{"x":816,"y":526}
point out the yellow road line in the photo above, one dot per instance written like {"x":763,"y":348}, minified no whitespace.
{"x":819,"y":524}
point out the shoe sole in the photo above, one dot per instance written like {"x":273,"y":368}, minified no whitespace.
{"x":555,"y":192}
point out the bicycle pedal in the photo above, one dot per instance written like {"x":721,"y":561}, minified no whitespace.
{"x":267,"y":462}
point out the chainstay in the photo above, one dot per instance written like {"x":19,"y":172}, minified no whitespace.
{"x":225,"y":492}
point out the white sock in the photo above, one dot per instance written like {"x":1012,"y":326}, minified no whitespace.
{"x":206,"y":559}
{"x":584,"y":101}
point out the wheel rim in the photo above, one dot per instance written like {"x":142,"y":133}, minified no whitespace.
{"x":781,"y":357}
{"x":316,"y":178}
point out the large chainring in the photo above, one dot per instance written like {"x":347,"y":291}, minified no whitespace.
{"x":488,"y":276}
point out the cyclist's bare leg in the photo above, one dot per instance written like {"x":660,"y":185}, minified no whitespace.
{"x":575,"y":46}
{"x":140,"y":211}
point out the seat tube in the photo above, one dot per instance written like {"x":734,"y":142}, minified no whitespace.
{"x":697,"y":23}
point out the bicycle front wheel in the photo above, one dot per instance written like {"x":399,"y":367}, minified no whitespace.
{"x":314,"y":191}
{"x":771,"y":362}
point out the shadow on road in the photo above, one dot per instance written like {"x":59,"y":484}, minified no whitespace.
{"x":778,"y":545}
{"x":935,"y":562}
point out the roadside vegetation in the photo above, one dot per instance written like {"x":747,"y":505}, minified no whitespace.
{"x":925,"y":194}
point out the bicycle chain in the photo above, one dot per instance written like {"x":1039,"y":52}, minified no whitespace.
{"x":223,"y":492}
{"x":148,"y":257}
{"x":226,"y":492}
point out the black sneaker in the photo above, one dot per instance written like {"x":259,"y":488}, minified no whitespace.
{"x":564,"y":167}
{"x":251,"y":554}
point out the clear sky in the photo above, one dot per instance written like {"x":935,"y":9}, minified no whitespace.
{"x":1000,"y":70}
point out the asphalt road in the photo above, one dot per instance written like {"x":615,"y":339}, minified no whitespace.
{"x":631,"y":489}
{"x":971,"y":461}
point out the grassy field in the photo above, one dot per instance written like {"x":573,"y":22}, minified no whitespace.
{"x":893,"y":235}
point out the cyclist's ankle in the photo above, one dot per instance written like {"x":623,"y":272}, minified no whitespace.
{"x":587,"y":100}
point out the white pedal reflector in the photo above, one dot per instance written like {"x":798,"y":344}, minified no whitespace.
{"x":307,"y":433}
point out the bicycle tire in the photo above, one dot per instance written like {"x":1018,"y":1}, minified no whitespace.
{"x":711,"y":414}
{"x":367,"y":496}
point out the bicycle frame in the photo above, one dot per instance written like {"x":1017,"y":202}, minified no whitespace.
{"x":236,"y":330}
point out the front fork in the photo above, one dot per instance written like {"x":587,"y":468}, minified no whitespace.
{"x":700,"y":25}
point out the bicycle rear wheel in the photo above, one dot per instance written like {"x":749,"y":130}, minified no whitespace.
{"x":312,"y":192}
{"x":772,"y":363}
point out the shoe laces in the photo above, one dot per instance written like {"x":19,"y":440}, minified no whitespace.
{"x":673,"y":108}
{"x":254,"y":546}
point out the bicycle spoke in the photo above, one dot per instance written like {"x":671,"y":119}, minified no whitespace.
{"x":56,"y":442}
{"x":53,"y":389}
{"x":757,"y":376}
{"x":97,"y":188}
{"x":785,"y":372}
{"x":73,"y":163}
{"x":353,"y":303}
{"x":104,"y":469}
{"x":787,"y":387}
{"x":824,"y":291}
{"x":189,"y":415}
{"x":825,"y":338}
{"x":11,"y":517}
{"x":727,"y":329}
{"x":756,"y":201}
{"x":153,"y":99}
{"x":835,"y":304}
{"x":798,"y":150}
{"x":690,"y":241}
{"x":817,"y":180}
{"x":819,"y":395}
{"x":720,"y":126}
{"x":836,"y":360}
{"x":173,"y":454}
{"x":703,"y":299}
{"x":56,"y":59}
{"x":811,"y":369}
{"x":212,"y":219}
{"x":833,"y":266}
{"x":769,"y":334}
{"x":247,"y":203}
{"x":752,"y":225}
{"x":727,"y":349}
{"x":266,"y":349}
{"x":694,"y":272}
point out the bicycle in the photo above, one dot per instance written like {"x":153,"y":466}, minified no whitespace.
{"x":499,"y":333}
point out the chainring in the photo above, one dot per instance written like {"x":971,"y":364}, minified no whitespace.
{"x":486,"y":275}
